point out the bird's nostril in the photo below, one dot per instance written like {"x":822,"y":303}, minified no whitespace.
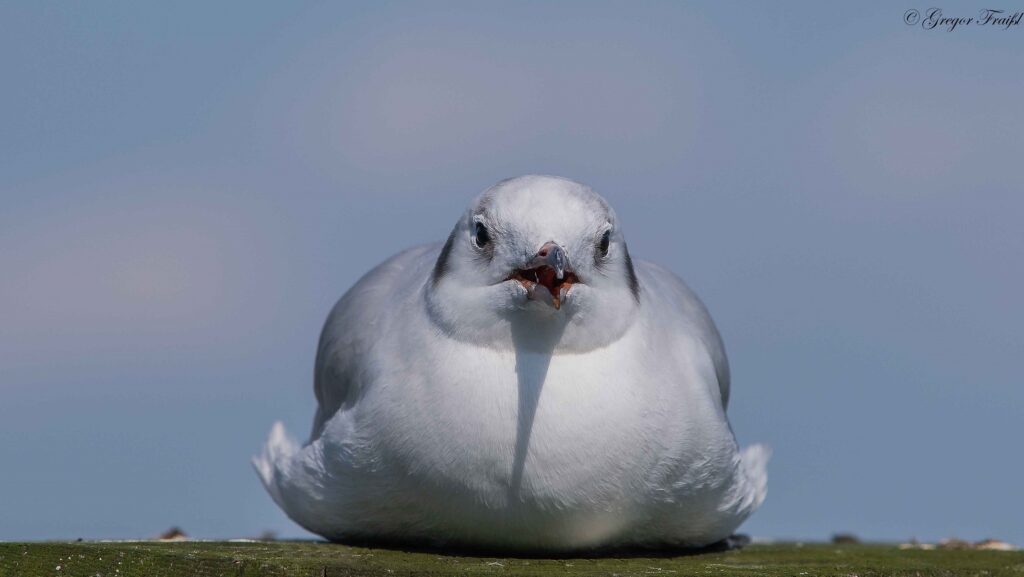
{"x":543,"y":252}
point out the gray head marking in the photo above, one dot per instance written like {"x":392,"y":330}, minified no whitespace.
{"x":634,"y":283}
{"x":441,"y":266}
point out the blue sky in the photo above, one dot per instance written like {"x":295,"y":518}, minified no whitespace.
{"x":186,"y":189}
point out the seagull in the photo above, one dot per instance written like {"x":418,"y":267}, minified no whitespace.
{"x":524,"y":386}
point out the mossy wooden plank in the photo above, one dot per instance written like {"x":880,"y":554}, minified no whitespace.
{"x":315,"y":559}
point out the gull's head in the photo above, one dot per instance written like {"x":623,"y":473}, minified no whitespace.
{"x":535,"y":253}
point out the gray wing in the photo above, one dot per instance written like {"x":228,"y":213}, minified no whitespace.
{"x":668,"y":292}
{"x":343,"y":367}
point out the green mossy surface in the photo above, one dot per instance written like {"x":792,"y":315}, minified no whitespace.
{"x":315,"y":559}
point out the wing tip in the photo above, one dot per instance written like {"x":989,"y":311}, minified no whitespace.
{"x":278,"y":449}
{"x":754,"y":462}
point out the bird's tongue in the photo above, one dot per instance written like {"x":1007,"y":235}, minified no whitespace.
{"x":546,"y":277}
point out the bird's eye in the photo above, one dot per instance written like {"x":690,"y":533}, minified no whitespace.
{"x":481,"y":237}
{"x":606,"y":240}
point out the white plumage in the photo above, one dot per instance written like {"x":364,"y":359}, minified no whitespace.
{"x":459,"y":406}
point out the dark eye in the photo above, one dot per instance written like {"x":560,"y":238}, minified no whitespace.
{"x":606,"y":239}
{"x":480,"y":235}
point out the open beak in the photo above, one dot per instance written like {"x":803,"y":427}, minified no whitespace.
{"x":548,"y":276}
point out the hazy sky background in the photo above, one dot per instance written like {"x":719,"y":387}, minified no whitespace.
{"x":187,"y":188}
